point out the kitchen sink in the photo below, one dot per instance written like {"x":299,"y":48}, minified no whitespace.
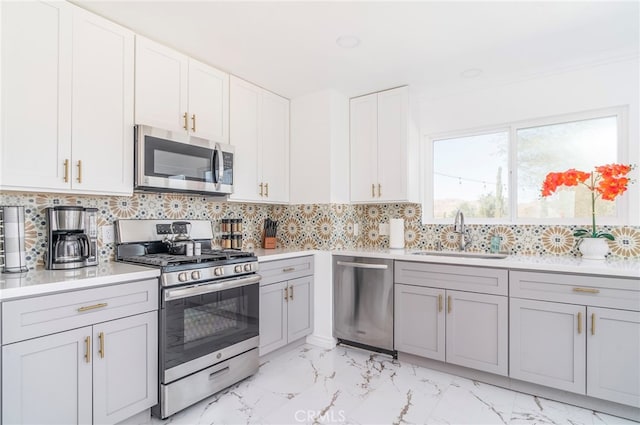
{"x":461,"y":254}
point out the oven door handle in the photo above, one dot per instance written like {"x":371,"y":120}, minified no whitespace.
{"x":206,"y":288}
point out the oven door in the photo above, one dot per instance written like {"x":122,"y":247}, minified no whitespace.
{"x":165,"y":162}
{"x":203,"y":324}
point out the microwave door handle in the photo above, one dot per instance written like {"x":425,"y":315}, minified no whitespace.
{"x":220,"y":169}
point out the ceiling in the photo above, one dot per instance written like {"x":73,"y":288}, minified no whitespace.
{"x":290,"y":47}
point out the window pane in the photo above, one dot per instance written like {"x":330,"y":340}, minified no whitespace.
{"x":581,"y":145}
{"x":470,"y":173}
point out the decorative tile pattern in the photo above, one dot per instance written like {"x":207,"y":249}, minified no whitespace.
{"x":317,"y":226}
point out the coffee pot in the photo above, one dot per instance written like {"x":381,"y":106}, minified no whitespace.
{"x":73,"y":235}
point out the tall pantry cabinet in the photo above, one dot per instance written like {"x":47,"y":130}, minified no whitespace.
{"x":67,"y":105}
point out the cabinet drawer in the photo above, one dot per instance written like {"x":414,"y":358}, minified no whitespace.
{"x":595,"y":291}
{"x":279,"y":270}
{"x":463,"y":278}
{"x":33,"y":317}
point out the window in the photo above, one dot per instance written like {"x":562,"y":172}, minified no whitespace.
{"x":496,"y":176}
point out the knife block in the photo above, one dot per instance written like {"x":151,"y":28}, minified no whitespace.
{"x":269,"y":242}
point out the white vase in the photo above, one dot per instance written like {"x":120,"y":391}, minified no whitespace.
{"x":593,"y":248}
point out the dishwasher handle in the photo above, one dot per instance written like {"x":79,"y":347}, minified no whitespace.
{"x":362,"y":265}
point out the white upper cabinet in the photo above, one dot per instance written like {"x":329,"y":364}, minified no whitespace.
{"x":259,"y":131}
{"x":36,"y":95}
{"x":177,"y":93}
{"x":383,"y":148}
{"x":67,"y":100}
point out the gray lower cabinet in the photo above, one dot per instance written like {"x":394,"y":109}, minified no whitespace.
{"x":577,"y":333}
{"x":103,"y":372}
{"x":286,"y":302}
{"x":434,"y":319}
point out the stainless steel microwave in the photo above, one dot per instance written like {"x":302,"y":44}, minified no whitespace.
{"x":170,"y":162}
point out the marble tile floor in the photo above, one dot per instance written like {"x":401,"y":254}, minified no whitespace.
{"x":311,"y":385}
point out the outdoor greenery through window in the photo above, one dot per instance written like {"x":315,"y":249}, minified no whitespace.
{"x":496,"y":176}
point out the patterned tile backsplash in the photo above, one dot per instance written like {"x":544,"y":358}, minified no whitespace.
{"x":309,"y":226}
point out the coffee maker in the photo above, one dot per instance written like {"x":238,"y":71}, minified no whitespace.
{"x":73,"y":237}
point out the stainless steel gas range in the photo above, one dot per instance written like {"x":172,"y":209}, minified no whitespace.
{"x":209,"y":305}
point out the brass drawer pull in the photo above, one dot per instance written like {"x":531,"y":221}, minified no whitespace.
{"x":79,"y":171}
{"x":593,"y":323}
{"x":449,"y":304}
{"x":579,"y":323}
{"x":87,"y":349}
{"x":266,"y":190}
{"x":291,"y":293}
{"x":261,"y":189}
{"x":91,"y":307}
{"x":379,"y":190}
{"x":587,"y":290}
{"x":186,"y":124}
{"x":66,"y":171}
{"x":101,"y":348}
{"x":193,"y":119}
{"x":288,"y":269}
{"x":439,"y":303}
{"x":286,"y":294}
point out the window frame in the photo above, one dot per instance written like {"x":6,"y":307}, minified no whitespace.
{"x":626,"y":208}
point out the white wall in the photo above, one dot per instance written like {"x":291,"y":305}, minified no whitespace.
{"x":319,"y":151}
{"x":584,"y":89}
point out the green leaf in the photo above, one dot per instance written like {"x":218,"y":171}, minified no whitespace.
{"x":606,"y":236}
{"x":580,"y":233}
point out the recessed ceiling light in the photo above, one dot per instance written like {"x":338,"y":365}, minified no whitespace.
{"x":471,"y":73}
{"x":348,"y":41}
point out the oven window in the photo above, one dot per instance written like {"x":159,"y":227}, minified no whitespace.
{"x":174,"y":160}
{"x":196,"y":326}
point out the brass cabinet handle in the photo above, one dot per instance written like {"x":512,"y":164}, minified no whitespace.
{"x":92,"y":307}
{"x":288,"y":269}
{"x":186,"y":124}
{"x":286,"y":294}
{"x":379,"y":190}
{"x":79,"y":171}
{"x":101,"y":347}
{"x":449,"y":304}
{"x":193,"y":119}
{"x":587,"y":290}
{"x":291,"y":293}
{"x":373,"y":190}
{"x":261,"y":188}
{"x":439,"y":303}
{"x":66,"y":171}
{"x":579,"y":323}
{"x":266,"y":190}
{"x":593,"y":323}
{"x":87,"y":349}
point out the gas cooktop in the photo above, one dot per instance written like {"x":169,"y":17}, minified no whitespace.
{"x":209,"y":257}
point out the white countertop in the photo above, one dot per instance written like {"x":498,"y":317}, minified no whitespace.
{"x":614,"y":268}
{"x":41,"y":281}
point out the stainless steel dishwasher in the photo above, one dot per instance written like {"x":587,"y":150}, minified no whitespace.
{"x":363,"y":303}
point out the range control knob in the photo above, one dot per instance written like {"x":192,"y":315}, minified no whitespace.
{"x":218,"y":271}
{"x":182,"y":277}
{"x":238,"y":268}
{"x":195,"y":275}
{"x":247,"y":267}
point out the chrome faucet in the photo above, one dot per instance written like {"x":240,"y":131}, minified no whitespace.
{"x":458,"y":227}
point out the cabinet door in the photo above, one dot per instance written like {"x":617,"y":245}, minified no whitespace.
{"x":393,"y":116}
{"x":477,"y":331}
{"x":125,"y":367}
{"x":613,"y":355}
{"x":273,"y":317}
{"x":161,"y":86}
{"x":364,"y":145}
{"x":47,"y":380}
{"x":102,"y":131}
{"x":300,"y":308}
{"x":36,"y":94}
{"x":274,"y":140}
{"x":419,"y":321}
{"x":208,"y":102}
{"x":244,"y":136}
{"x":547,"y":344}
